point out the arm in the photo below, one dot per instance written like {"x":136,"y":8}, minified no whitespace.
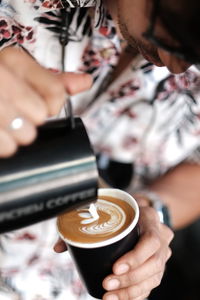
{"x":180,"y":190}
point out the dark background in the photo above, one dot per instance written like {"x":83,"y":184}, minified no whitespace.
{"x":182,"y":276}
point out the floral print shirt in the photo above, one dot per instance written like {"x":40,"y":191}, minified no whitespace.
{"x":146,"y":117}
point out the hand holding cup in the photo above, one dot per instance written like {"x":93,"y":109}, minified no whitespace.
{"x":138,"y":271}
{"x":96,"y":244}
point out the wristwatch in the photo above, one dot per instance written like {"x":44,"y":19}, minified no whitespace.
{"x":156,"y":202}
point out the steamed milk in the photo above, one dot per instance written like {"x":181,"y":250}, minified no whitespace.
{"x":114,"y":215}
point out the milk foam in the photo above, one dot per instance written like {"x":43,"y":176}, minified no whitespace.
{"x":116,"y":220}
{"x":89,"y":214}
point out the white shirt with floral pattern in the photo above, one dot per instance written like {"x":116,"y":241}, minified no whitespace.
{"x":147,"y":117}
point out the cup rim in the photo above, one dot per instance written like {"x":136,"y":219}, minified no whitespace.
{"x":114,"y":193}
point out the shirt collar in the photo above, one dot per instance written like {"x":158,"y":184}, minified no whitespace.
{"x":75,"y":3}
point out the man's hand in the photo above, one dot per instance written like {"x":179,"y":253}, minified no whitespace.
{"x":32,"y":93}
{"x":60,"y":246}
{"x":140,"y":270}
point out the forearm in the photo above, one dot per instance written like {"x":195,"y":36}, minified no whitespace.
{"x":180,"y":190}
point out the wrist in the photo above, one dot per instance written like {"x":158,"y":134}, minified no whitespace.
{"x":142,"y":199}
{"x":150,"y":198}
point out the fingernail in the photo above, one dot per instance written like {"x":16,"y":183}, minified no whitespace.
{"x":112,"y":297}
{"x":121,"y":269}
{"x":112,"y":284}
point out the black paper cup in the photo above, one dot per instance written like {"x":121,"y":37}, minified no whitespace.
{"x":94,"y":261}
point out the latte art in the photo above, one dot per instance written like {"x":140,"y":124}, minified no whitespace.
{"x":90,"y":214}
{"x":111,"y":218}
{"x":116,"y":219}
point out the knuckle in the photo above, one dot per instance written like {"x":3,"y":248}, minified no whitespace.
{"x":122,"y":294}
{"x":128,"y":294}
{"x":29,"y":138}
{"x":133,"y":292}
{"x":55,"y":98}
{"x":41,"y":115}
{"x":157,"y":280}
{"x":153,"y":214}
{"x":36,"y":109}
{"x":159,"y":262}
{"x":169,"y":234}
{"x":154,"y":238}
{"x":56,"y":90}
{"x":127,"y":281}
{"x":169,"y":253}
{"x":143,"y":297}
{"x":72,"y":89}
{"x":134,"y":277}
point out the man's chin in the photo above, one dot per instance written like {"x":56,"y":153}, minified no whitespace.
{"x":151,"y":59}
{"x":158,"y":64}
{"x":177,"y":69}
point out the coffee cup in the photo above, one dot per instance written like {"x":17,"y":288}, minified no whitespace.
{"x":95,"y":242}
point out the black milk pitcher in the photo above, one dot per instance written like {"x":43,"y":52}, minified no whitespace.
{"x":56,"y":173}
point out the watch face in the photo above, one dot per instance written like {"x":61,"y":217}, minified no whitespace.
{"x":78,"y":3}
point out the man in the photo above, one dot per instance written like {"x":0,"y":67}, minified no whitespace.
{"x":35,"y":26}
{"x":153,"y":19}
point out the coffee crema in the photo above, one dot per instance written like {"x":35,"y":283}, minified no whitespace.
{"x":115,"y":215}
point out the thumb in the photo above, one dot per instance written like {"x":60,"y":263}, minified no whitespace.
{"x":60,"y":246}
{"x":76,"y":82}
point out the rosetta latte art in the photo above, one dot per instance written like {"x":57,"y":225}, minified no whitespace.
{"x":113,"y":212}
{"x":111,"y":217}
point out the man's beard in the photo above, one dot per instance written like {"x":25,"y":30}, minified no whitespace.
{"x":148,"y":51}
